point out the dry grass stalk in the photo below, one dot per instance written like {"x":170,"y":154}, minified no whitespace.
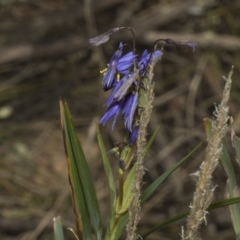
{"x":135,"y":208}
{"x":204,"y":189}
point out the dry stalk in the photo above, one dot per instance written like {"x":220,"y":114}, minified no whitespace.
{"x":204,"y":189}
{"x":135,"y":208}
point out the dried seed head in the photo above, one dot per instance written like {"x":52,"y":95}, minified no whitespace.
{"x":192,"y":45}
{"x":184,"y":43}
{"x":100,"y":39}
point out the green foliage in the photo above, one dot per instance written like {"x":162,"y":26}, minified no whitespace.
{"x":231,"y":186}
{"x":83,"y":193}
{"x":84,"y":198}
{"x":228,"y":167}
{"x":58,"y":231}
{"x":213,"y":206}
{"x":151,"y":189}
{"x":110,"y":179}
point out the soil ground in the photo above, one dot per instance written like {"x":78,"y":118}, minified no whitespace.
{"x":44,"y":56}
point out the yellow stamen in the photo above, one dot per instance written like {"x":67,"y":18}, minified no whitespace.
{"x":103,"y":71}
{"x":118,"y":77}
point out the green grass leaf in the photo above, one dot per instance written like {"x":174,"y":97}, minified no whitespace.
{"x":149,"y":143}
{"x":185,"y":214}
{"x":127,"y":189}
{"x":236,"y":142}
{"x":109,"y":175}
{"x":232,"y":185}
{"x":107,"y":168}
{"x":83,"y":193}
{"x":151,"y":189}
{"x":58,"y":231}
{"x":208,"y":127}
{"x":121,"y":225}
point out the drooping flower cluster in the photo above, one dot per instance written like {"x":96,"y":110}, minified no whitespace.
{"x":123,"y":77}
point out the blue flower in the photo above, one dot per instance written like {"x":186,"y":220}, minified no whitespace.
{"x":118,"y":85}
{"x":129,"y":108}
{"x":126,"y":62}
{"x":157,"y":55}
{"x":111,"y":70}
{"x":125,"y":85}
{"x":144,"y":59}
{"x":113,"y":84}
{"x":133,"y":135}
{"x":112,"y":111}
{"x":123,"y":78}
{"x":121,"y":88}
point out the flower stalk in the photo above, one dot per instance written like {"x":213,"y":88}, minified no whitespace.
{"x":204,"y":190}
{"x":129,"y":77}
{"x":135,"y":208}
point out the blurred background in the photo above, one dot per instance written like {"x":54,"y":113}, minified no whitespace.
{"x":44,"y":56}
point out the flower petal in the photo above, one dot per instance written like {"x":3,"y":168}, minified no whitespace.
{"x":126,"y":62}
{"x":112,"y":97}
{"x":122,"y":91}
{"x":133,"y":135}
{"x":109,"y":75}
{"x":129,"y":109}
{"x":112,"y":111}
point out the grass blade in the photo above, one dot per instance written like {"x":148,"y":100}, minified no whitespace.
{"x":107,"y":168}
{"x":109,"y":175}
{"x":127,"y":190}
{"x":121,"y":225}
{"x":150,"y":190}
{"x":84,"y":195}
{"x":232,"y":185}
{"x":236,"y":144}
{"x":149,"y":143}
{"x":58,"y":231}
{"x":78,"y":200}
{"x":185,"y":214}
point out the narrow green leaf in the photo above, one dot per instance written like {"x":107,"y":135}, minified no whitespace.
{"x":127,"y":189}
{"x":232,"y":185}
{"x":78,"y":200}
{"x":121,"y":225}
{"x":185,"y":214}
{"x":150,"y":190}
{"x":81,"y":176}
{"x":149,"y":144}
{"x":208,"y":127}
{"x":223,"y":203}
{"x":107,"y":168}
{"x":227,"y":164}
{"x":86,"y":179}
{"x":58,"y":231}
{"x":237,"y":147}
{"x":109,"y":175}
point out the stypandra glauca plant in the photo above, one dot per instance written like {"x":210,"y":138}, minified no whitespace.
{"x":129,"y":78}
